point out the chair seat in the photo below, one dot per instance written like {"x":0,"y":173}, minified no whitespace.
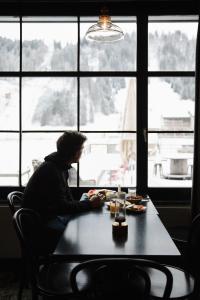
{"x":54,"y":278}
{"x":183,"y":283}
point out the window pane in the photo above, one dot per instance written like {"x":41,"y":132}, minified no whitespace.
{"x":108,"y":160}
{"x":171,"y":103}
{"x":35,"y":146}
{"x":116,"y":56}
{"x":49,"y":103}
{"x":9,"y":159}
{"x":9,"y":46}
{"x":49,"y":46}
{"x":170,"y":159}
{"x":108,"y":103}
{"x":172,"y":46}
{"x":9,"y":104}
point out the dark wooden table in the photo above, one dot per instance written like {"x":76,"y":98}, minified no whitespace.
{"x":89,"y":235}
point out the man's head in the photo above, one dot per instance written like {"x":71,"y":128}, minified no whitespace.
{"x":70,"y":145}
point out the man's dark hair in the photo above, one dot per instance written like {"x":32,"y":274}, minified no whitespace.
{"x":69,"y":143}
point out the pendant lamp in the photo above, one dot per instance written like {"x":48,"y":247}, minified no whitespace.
{"x":104,"y":30}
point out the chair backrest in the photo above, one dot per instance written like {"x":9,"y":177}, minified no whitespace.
{"x":29,"y":229}
{"x":194,"y":246}
{"x":118,"y":278}
{"x":14,"y":200}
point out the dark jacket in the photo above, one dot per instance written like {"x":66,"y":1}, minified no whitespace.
{"x":48,"y":192}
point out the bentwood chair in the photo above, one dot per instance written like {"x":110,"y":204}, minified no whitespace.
{"x":14,"y":201}
{"x":119,"y":278}
{"x":186,"y":270}
{"x":166,"y":282}
{"x":48,"y":277}
{"x":190,"y":250}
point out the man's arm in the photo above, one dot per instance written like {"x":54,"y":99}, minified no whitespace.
{"x":61,"y":199}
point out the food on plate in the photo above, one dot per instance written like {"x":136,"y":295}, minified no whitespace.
{"x":130,"y":207}
{"x":137,"y":208}
{"x":91,"y":193}
{"x":110,"y":194}
{"x":134,"y":198}
{"x":104,"y":193}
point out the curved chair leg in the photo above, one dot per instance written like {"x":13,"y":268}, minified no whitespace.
{"x":20,"y":291}
{"x":34,"y":293}
{"x":22,"y":282}
{"x":24,"y":279}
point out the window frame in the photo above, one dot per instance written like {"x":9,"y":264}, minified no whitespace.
{"x":167,"y":195}
{"x":171,"y":194}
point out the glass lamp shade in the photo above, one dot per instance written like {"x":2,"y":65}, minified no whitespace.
{"x":104,"y":31}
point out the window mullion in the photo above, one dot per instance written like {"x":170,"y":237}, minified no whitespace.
{"x":78,"y":92}
{"x":142,"y":92}
{"x":20,"y":105}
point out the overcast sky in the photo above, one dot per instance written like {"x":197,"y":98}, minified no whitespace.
{"x":68,"y":32}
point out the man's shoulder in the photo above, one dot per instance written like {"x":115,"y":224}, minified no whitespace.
{"x":46,"y":166}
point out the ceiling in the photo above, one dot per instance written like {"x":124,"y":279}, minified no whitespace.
{"x":91,"y":7}
{"x":122,"y":2}
{"x":98,"y":1}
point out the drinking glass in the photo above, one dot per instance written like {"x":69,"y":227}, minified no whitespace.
{"x":114,"y":204}
{"x":131,"y":192}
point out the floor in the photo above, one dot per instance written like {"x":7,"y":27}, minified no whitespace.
{"x":9,"y":283}
{"x":179,"y":233}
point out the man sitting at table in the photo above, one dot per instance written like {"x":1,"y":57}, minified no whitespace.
{"x":47,"y":191}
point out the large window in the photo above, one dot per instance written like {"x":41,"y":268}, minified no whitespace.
{"x":52,"y":79}
{"x":171,"y":92}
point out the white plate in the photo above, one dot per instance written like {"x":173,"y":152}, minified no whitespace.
{"x":132,"y":208}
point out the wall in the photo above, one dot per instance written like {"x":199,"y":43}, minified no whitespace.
{"x":9,"y":244}
{"x":176,"y":219}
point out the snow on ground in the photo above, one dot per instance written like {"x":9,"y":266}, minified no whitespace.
{"x":162,"y":100}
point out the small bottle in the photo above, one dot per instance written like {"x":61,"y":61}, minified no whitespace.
{"x":120,"y":213}
{"x":119,"y":189}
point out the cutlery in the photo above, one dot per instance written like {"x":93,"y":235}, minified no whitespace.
{"x":146,"y":198}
